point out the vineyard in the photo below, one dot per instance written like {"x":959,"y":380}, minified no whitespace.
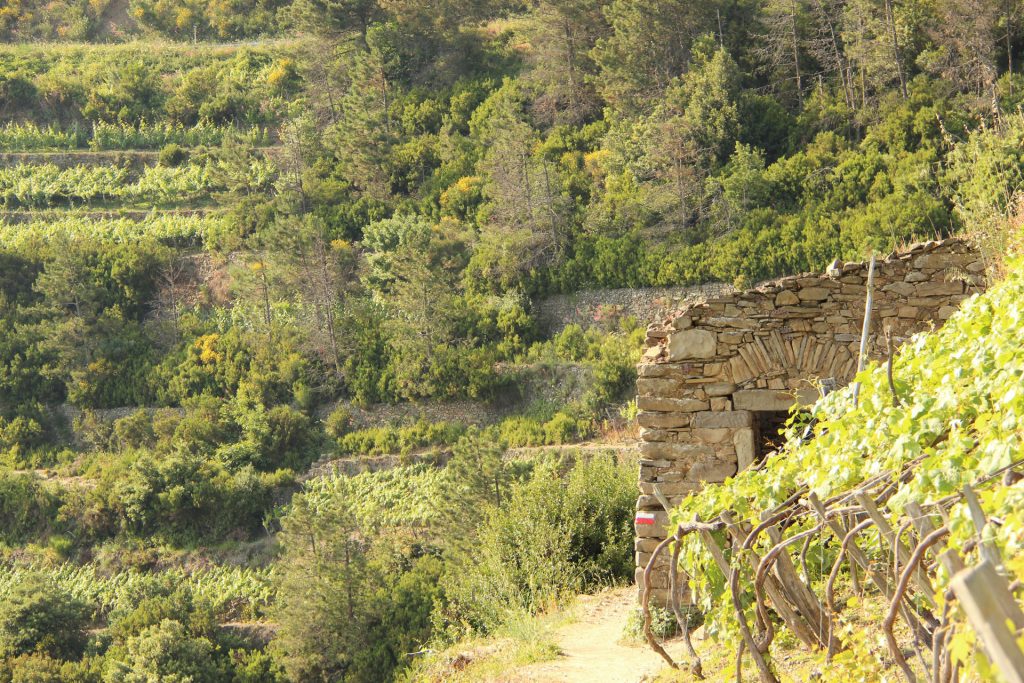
{"x":232,"y":592}
{"x":46,"y":185}
{"x":103,"y":136}
{"x":181,"y":229}
{"x":889,"y":493}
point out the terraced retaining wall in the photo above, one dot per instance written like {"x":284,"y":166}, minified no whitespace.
{"x":717,"y":377}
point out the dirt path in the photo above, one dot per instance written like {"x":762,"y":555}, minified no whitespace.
{"x":593,"y":649}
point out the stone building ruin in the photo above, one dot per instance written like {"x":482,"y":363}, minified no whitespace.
{"x":718,"y":378}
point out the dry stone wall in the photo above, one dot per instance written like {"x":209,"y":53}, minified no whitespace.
{"x":715,"y":374}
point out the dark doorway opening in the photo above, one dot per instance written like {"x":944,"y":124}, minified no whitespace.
{"x":769,"y":428}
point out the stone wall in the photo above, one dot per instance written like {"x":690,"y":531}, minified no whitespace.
{"x":714,"y":372}
{"x":595,"y":306}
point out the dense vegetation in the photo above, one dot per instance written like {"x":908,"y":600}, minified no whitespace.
{"x":216,"y":259}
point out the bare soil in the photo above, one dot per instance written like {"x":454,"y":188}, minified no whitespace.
{"x":593,"y":647}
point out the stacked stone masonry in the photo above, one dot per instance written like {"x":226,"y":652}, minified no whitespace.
{"x":710,"y":370}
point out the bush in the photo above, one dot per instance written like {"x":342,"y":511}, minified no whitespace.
{"x":338,"y":423}
{"x":172,"y":155}
{"x":165,"y":652}
{"x":27,"y":509}
{"x":556,"y":536}
{"x":38,"y":617}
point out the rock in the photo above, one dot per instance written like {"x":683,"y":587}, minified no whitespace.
{"x":675,"y":488}
{"x":721,"y":403}
{"x":907,"y":311}
{"x":915,"y":276}
{"x":719,"y":388}
{"x":787,"y":298}
{"x":712,"y":435}
{"x":946,"y":311}
{"x":933,"y":261}
{"x":813,"y":294}
{"x":682,"y":322}
{"x":675,"y":451}
{"x":712,"y":471}
{"x":734,"y":419}
{"x":689,"y":344}
{"x":975,"y":267}
{"x":743,"y":440}
{"x":835,"y":269}
{"x":761,"y":399}
{"x":901,"y":288}
{"x":663,"y":420}
{"x":940,"y":288}
{"x":657,"y":386}
{"x":670,"y":405}
{"x":651,"y":524}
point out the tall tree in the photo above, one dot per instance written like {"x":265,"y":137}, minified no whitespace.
{"x":648,"y":46}
{"x":563,"y":34}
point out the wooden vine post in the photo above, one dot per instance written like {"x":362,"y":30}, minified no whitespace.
{"x":994,"y":614}
{"x":866,"y":327}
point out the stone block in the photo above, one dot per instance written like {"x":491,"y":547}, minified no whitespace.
{"x":645,"y":545}
{"x":651,"y":524}
{"x":721,"y":403}
{"x":654,"y":464}
{"x":663,"y":420}
{"x":712,"y":435}
{"x":946,"y":311}
{"x":907,"y":312}
{"x":933,"y":261}
{"x":734,"y":322}
{"x":683,"y":322}
{"x":744,"y":442}
{"x":719,"y":388}
{"x":940,"y":288}
{"x":731,"y":420}
{"x":900,"y":288}
{"x":692,"y":344}
{"x":666,"y":452}
{"x":915,"y":276}
{"x":656,"y":435}
{"x":813,"y":294}
{"x":670,"y":405}
{"x":670,"y":488}
{"x":759,"y":399}
{"x":712,"y":471}
{"x":657,"y":386}
{"x":786,"y":298}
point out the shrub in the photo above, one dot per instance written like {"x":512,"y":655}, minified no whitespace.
{"x":27,"y":509}
{"x":37,"y":616}
{"x":172,"y":155}
{"x":338,"y":423}
{"x":555,"y":536}
{"x":165,"y":652}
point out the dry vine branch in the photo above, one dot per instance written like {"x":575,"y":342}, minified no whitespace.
{"x":901,"y":588}
{"x":684,"y":625}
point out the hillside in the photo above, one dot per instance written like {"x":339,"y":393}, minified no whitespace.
{"x":316,"y":345}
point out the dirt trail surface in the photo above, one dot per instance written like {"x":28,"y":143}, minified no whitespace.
{"x":593,"y":649}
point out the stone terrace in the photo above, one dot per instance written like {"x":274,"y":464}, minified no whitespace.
{"x":717,"y":378}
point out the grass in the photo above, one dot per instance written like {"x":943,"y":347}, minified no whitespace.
{"x":522,"y":640}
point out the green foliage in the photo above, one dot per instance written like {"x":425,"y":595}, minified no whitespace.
{"x":551,"y":538}
{"x":165,"y":652}
{"x":38,"y":617}
{"x":403,"y":440}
